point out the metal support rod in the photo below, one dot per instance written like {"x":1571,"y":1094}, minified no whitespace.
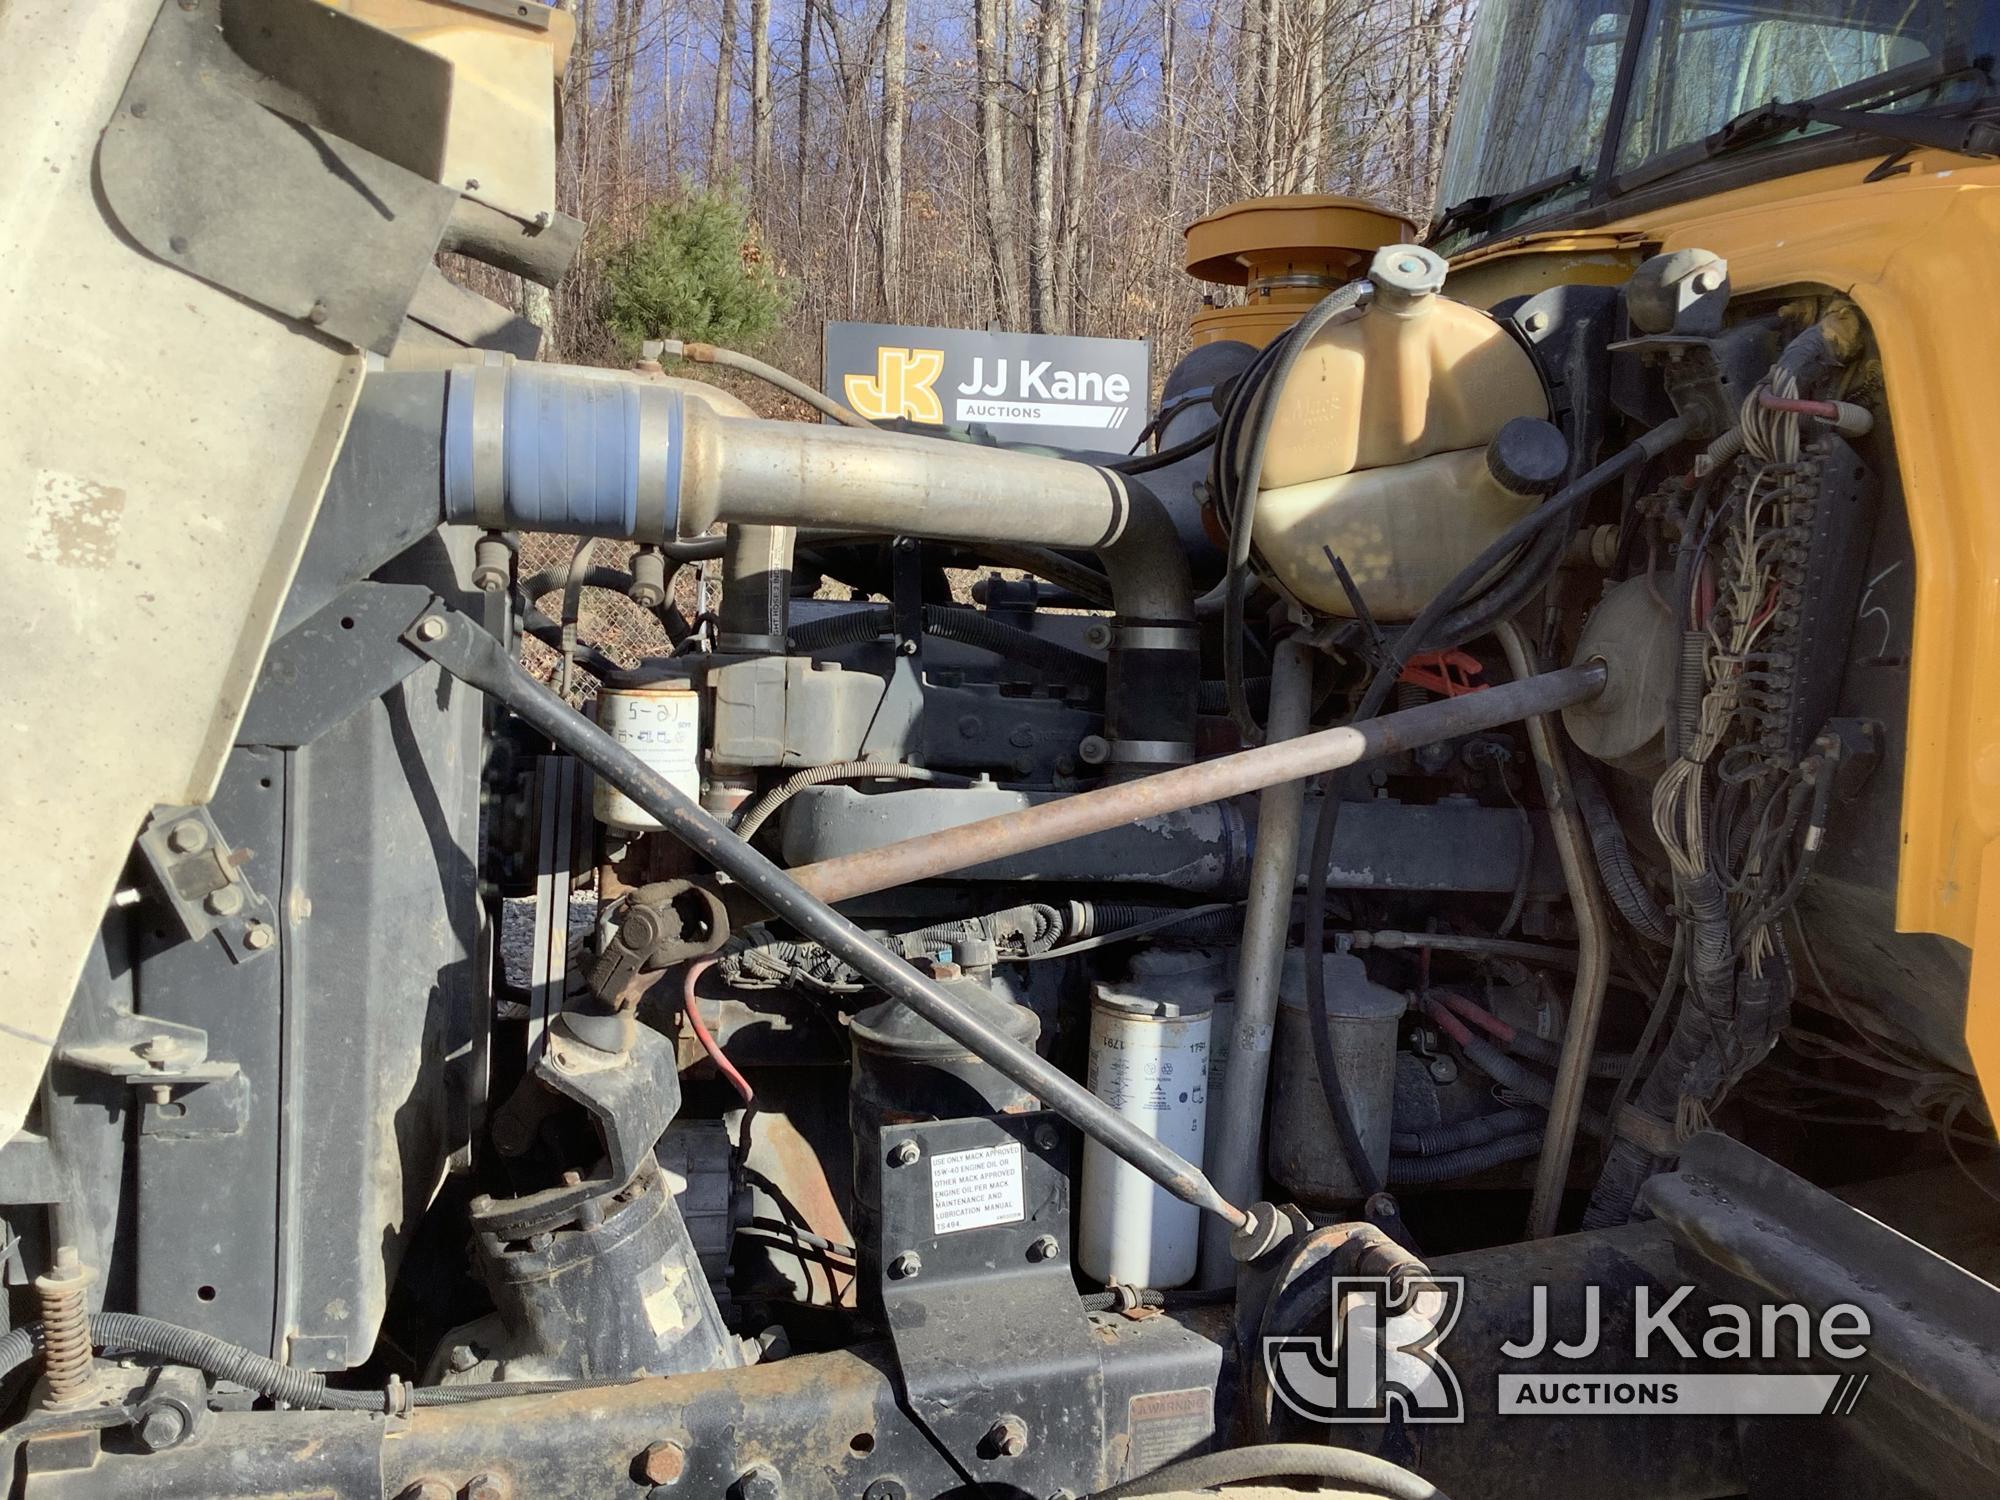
{"x":1235,"y":1150}
{"x":1593,"y":961}
{"x":476,"y":658}
{"x":931,"y":855}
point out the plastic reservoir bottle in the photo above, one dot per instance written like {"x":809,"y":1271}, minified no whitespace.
{"x":1148,"y":1061}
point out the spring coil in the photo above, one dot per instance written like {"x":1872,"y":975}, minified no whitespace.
{"x":64,"y":1295}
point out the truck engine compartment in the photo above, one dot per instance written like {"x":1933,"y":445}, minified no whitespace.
{"x":946,"y":1023}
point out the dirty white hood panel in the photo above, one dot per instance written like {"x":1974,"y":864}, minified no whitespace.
{"x":163,"y":447}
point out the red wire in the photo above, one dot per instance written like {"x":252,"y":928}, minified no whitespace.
{"x":1448,"y":1023}
{"x":1478,"y":1015}
{"x":691,"y":1008}
{"x":1825,"y":410}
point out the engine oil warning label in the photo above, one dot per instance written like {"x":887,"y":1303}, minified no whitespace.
{"x":972,"y":1189}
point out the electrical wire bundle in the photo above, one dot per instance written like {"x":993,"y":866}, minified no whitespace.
{"x":1739,"y":817}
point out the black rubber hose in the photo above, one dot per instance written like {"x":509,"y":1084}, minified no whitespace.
{"x":1449,"y":1166}
{"x":1343,"y":1466}
{"x":1542,"y":1050}
{"x":1257,"y":392}
{"x":971,"y":628}
{"x":952,"y":623}
{"x":1439,"y":1140}
{"x":1196,"y":931}
{"x":221,"y":1360}
{"x":1622,"y":882}
{"x":850,"y":627}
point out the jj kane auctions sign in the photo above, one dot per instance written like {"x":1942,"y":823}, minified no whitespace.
{"x":1048,"y":389}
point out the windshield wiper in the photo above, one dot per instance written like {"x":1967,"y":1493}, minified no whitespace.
{"x":1479,"y":211}
{"x":1863,"y":108}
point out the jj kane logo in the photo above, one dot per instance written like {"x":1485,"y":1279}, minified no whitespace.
{"x":1381,"y":1357}
{"x":900,"y":386}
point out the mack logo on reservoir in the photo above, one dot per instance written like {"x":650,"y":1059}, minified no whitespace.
{"x":1047,"y":389}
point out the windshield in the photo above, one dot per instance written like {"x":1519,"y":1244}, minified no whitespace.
{"x":1537,"y":96}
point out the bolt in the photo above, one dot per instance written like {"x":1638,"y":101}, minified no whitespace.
{"x":1535,"y":322}
{"x":226,"y":902}
{"x":1093,"y":749}
{"x":161,"y":1427}
{"x":431,"y":628}
{"x":178,"y":244}
{"x":1706,"y":281}
{"x":157,"y":1049}
{"x":471,"y":184}
{"x":1044,"y":1247}
{"x":1007,"y":1438}
{"x":885,"y":1489}
{"x":187,"y":837}
{"x":462,"y":1358}
{"x":258,"y":938}
{"x":905,"y":1154}
{"x":427,"y":1488}
{"x":1046,"y":1136}
{"x":906,"y":1265}
{"x":906,"y":646}
{"x":486,"y":1487}
{"x":969,"y":726}
{"x":663,"y":1462}
{"x":759,"y":1482}
{"x":1098,"y":635}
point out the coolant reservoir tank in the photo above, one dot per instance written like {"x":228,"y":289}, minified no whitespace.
{"x":1406,"y":530}
{"x":1416,"y":374}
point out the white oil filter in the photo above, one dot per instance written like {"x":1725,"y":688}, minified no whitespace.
{"x":660,"y":722}
{"x":1149,"y":1062}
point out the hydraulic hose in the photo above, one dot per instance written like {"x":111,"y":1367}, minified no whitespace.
{"x":791,"y":385}
{"x":477,"y":659}
{"x":758,"y":813}
{"x":1622,"y":882}
{"x":1449,"y":1166}
{"x":949,"y":622}
{"x":1440,"y":1140}
{"x":1363,"y":1471}
{"x":221,"y":1360}
{"x":1243,"y":463}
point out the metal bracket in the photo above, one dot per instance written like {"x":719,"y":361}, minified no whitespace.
{"x":975,"y":1266}
{"x":201,"y":877}
{"x":632,"y":1095}
{"x":148,"y":1050}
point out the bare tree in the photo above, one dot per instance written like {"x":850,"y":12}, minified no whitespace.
{"x":996,"y":197}
{"x":719,"y":166}
{"x":1077,"y":178}
{"x":803,"y":123}
{"x":760,"y":101}
{"x":895,"y":106}
{"x":1051,"y":33}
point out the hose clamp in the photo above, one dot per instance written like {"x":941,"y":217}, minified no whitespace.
{"x":1157,"y":638}
{"x":1151,"y":752}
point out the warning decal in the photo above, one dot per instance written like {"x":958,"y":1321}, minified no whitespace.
{"x":972,"y":1189}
